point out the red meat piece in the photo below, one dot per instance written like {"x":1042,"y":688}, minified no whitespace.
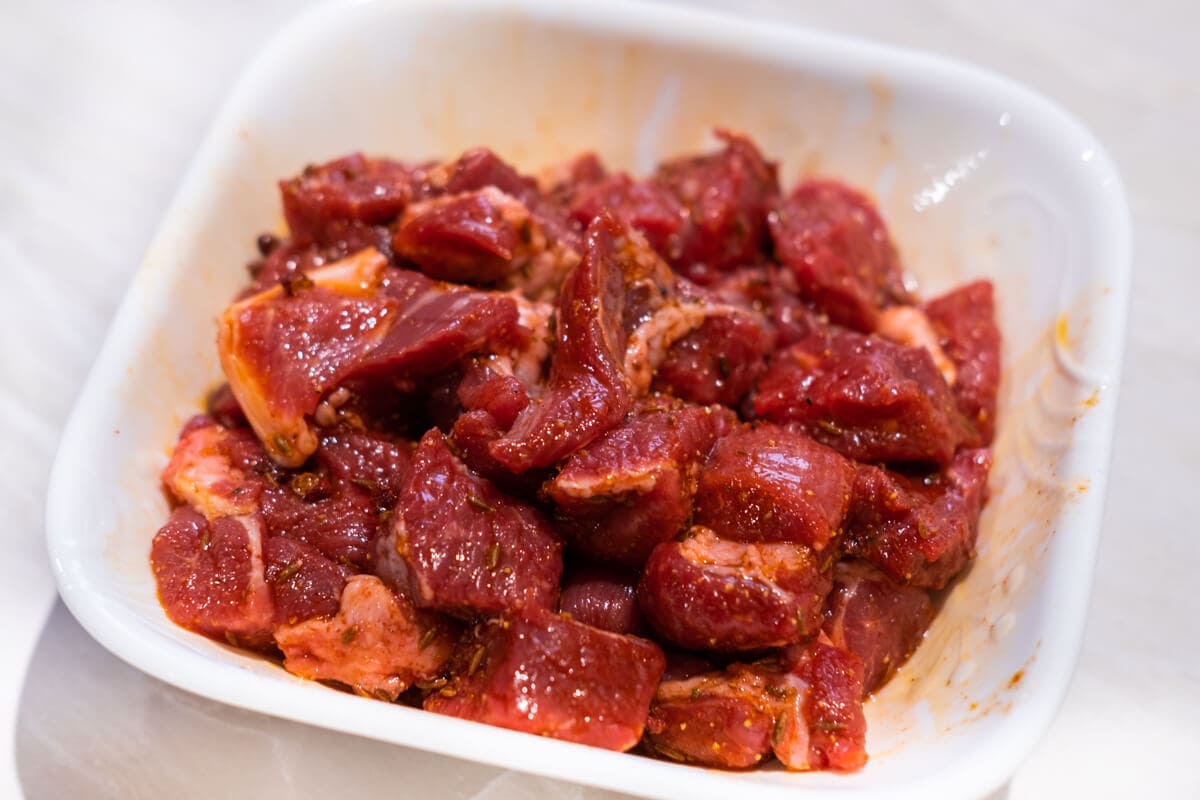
{"x":718,"y":362}
{"x":371,"y":460}
{"x":966,"y":321}
{"x":920,"y":531}
{"x":377,"y":643}
{"x":648,"y":207}
{"x":457,"y":544}
{"x":218,"y":471}
{"x":835,"y":243}
{"x":478,"y":168}
{"x":222,"y":406}
{"x":339,"y":519}
{"x":588,"y":391}
{"x":284,"y":349}
{"x":436,"y":324}
{"x":727,"y":195}
{"x":602,"y":598}
{"x":501,"y":396}
{"x":320,"y":202}
{"x":878,"y":620}
{"x":467,"y":239}
{"x":706,"y":593}
{"x":632,"y":488}
{"x":304,"y":584}
{"x":770,"y":484}
{"x":806,"y":710}
{"x":871,"y":399}
{"x":542,"y":673}
{"x":715,"y":720}
{"x":210,"y":576}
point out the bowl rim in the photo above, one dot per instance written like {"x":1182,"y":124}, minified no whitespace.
{"x":710,"y":31}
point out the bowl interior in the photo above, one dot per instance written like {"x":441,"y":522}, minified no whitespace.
{"x":975,"y":177}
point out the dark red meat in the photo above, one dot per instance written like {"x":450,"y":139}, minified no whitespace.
{"x":706,"y":593}
{"x":875,"y":618}
{"x":457,"y":544}
{"x":632,"y":487}
{"x":325,"y":200}
{"x":210,"y":576}
{"x":833,"y":240}
{"x":965,"y":318}
{"x":304,"y":583}
{"x":718,"y":362}
{"x":501,"y":396}
{"x":340,"y":519}
{"x":372,"y":461}
{"x":587,"y":392}
{"x":919,"y":531}
{"x":726,"y":195}
{"x":466,"y":238}
{"x":539,"y":672}
{"x":807,"y":711}
{"x":648,"y":207}
{"x":436,"y":324}
{"x":871,"y":399}
{"x":769,"y":484}
{"x":478,"y":168}
{"x":602,"y":598}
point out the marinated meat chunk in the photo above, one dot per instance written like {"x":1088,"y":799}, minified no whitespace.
{"x":632,"y":488}
{"x":479,"y":168}
{"x":603,"y":598}
{"x":215,"y":470}
{"x":327,"y":199}
{"x":719,"y":361}
{"x":377,"y":643}
{"x":870,"y":398}
{"x":832,"y":711}
{"x":875,"y":618}
{"x":587,"y":392}
{"x":770,"y":484}
{"x":304,"y":583}
{"x":474,"y":237}
{"x":285,"y":348}
{"x":726,"y":196}
{"x":650,"y":208}
{"x":920,"y":532}
{"x":837,"y":246}
{"x":707,"y":593}
{"x":539,"y":672}
{"x":376,"y":462}
{"x":457,"y":544}
{"x":340,"y":519}
{"x":708,"y":721}
{"x":806,"y":710}
{"x":500,"y":395}
{"x":435,"y":324}
{"x":210,"y":576}
{"x":966,"y":324}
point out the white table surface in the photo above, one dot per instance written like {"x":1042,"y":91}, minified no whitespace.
{"x":101,"y":108}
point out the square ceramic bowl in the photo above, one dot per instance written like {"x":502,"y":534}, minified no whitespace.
{"x":976,"y":177}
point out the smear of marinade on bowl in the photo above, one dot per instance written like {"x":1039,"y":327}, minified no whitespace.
{"x":668,"y":463}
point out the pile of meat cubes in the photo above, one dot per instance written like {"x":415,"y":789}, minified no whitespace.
{"x":671,"y":463}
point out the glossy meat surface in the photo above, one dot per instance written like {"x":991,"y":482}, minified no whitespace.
{"x":539,"y":672}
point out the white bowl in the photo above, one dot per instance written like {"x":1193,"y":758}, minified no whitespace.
{"x":976,"y":176}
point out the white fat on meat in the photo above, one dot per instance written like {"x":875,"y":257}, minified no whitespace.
{"x":649,"y":343}
{"x":376,"y":644}
{"x":289,"y":439}
{"x":201,"y":475}
{"x":909,"y":325}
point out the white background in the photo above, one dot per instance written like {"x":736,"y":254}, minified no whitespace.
{"x":101,"y":107}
